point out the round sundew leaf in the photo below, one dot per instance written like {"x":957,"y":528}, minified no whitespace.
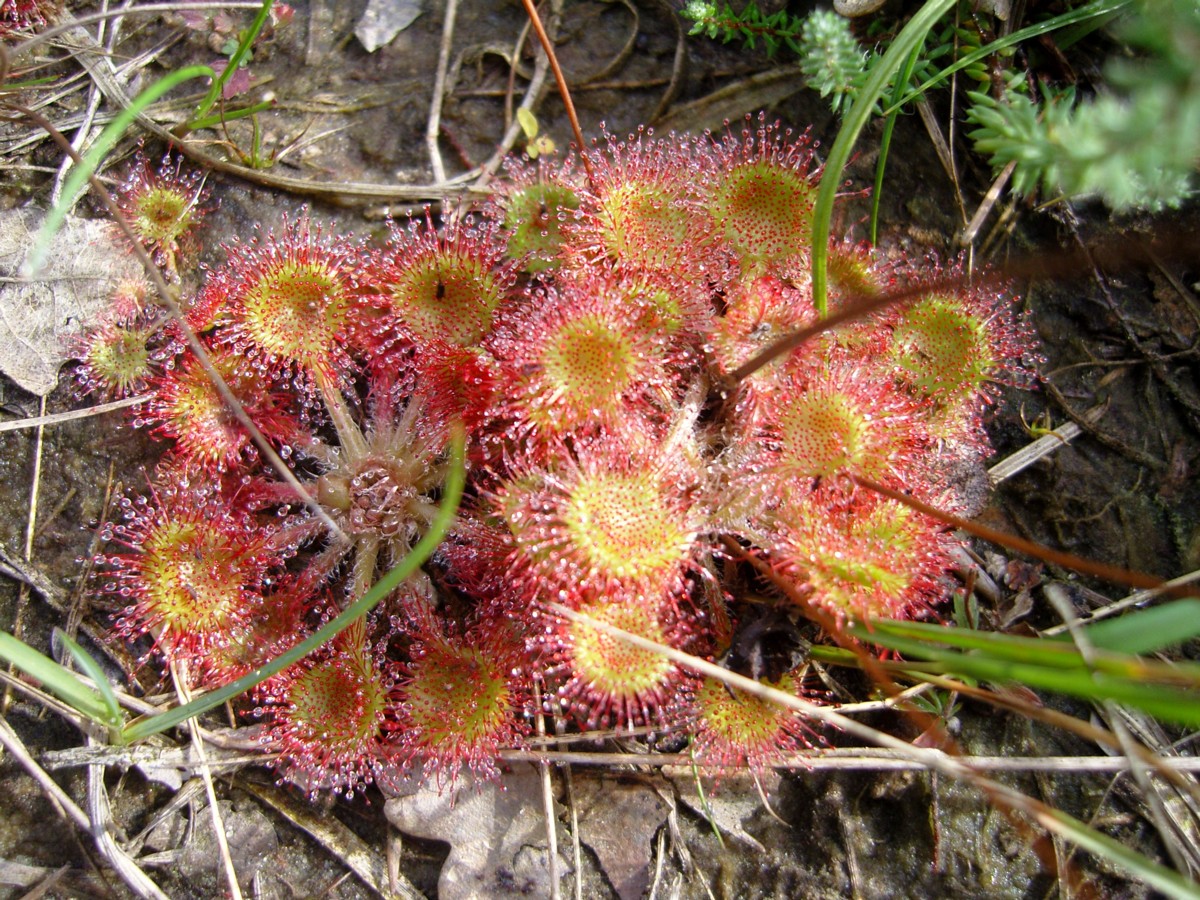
{"x":734,"y":728}
{"x":850,"y":271}
{"x":458,"y":698}
{"x":621,"y":526}
{"x":163,"y":206}
{"x":738,"y":719}
{"x":191,"y":576}
{"x":589,"y":362}
{"x":823,"y":434}
{"x":446,"y":296}
{"x":188,"y":409}
{"x":765,"y":210}
{"x":534,"y":218}
{"x":670,"y":306}
{"x":943,"y":349}
{"x":865,"y":558}
{"x":610,"y":671}
{"x":194,"y":413}
{"x":117,"y":359}
{"x":643,"y":225}
{"x":585,"y":355}
{"x":338,"y":705}
{"x":207,"y":433}
{"x":162,"y":215}
{"x":295,"y":310}
{"x":834,"y":419}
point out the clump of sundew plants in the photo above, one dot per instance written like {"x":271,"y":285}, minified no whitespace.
{"x":583,"y":325}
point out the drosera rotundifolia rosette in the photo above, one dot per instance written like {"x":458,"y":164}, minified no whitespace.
{"x":581,"y":330}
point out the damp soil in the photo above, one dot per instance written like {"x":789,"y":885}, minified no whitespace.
{"x":1125,"y":492}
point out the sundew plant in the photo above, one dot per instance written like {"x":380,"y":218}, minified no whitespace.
{"x":629,"y":445}
{"x":590,"y":332}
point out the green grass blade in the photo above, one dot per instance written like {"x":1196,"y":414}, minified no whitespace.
{"x":885,"y":141}
{"x":1146,"y":630}
{"x":1058,"y":653}
{"x":79,"y":174}
{"x":235,"y":61}
{"x":92,"y":669}
{"x":388,"y":583}
{"x":1095,"y":9}
{"x":1002,"y":646}
{"x":13,"y":87}
{"x":1168,"y":704}
{"x":911,"y":36}
{"x":231,"y":115}
{"x":56,"y":679}
{"x":1170,"y":883}
{"x":1123,"y":679}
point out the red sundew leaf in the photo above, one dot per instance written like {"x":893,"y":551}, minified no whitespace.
{"x":444,"y":286}
{"x":606,"y":681}
{"x":292,"y":299}
{"x":164,"y":206}
{"x":194,"y":571}
{"x":533,"y":209}
{"x":460,"y":701}
{"x":737,"y":730}
{"x":762,"y":202}
{"x":621,"y":516}
{"x":328,"y":713}
{"x":23,"y":15}
{"x":591,"y":353}
{"x":642,"y":209}
{"x":188,"y":411}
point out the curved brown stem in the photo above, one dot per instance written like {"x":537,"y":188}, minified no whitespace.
{"x":1114,"y":574}
{"x":1065,"y":264}
{"x":559,"y":79}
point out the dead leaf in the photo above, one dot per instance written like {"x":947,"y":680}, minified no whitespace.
{"x":83,"y":266}
{"x":496,"y":832}
{"x":250,"y":834}
{"x":618,"y":820}
{"x":383,"y":20}
{"x":1021,"y":576}
{"x":729,"y":802}
{"x":1014,"y":609}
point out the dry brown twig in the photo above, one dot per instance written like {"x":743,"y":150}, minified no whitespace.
{"x":179,"y":677}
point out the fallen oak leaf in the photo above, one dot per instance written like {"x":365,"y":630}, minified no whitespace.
{"x":84,"y":265}
{"x":618,"y":819}
{"x":496,"y":832}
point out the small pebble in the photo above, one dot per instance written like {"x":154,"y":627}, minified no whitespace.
{"x":852,"y":9}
